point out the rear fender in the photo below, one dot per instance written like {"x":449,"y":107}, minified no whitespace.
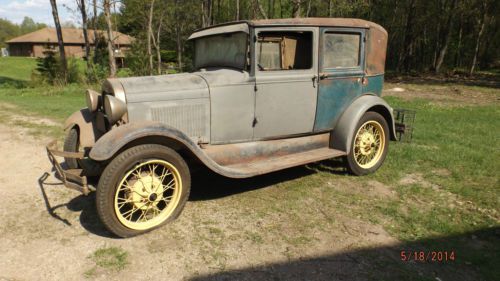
{"x":343,"y":132}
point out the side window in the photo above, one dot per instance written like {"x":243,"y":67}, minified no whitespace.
{"x":341,"y":50}
{"x":284,"y":50}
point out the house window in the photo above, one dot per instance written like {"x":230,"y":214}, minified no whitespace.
{"x":341,"y":50}
{"x":284,"y":50}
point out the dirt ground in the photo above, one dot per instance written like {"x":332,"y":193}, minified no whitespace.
{"x":230,"y":229}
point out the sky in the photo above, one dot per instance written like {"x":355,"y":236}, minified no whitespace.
{"x":38,"y":10}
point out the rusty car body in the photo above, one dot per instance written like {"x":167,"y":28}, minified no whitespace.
{"x":266,"y":95}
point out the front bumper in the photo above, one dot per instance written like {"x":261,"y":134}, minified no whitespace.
{"x":72,"y":178}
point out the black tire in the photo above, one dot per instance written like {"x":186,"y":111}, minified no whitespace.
{"x":72,"y":144}
{"x":352,"y":165}
{"x":119,"y":167}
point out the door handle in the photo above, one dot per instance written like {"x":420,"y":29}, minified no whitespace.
{"x":323,"y":76}
{"x":314,"y":81}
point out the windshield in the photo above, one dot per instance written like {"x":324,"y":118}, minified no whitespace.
{"x":221,"y":50}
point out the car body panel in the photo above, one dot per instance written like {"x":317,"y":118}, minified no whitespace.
{"x":286,"y":99}
{"x":232,"y":99}
{"x":374,"y":84}
{"x":338,"y":87}
{"x":178,"y":100}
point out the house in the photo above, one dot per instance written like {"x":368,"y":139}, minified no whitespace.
{"x":34,"y":44}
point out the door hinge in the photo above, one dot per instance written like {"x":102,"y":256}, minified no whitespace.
{"x":254,"y":122}
{"x":255,"y":88}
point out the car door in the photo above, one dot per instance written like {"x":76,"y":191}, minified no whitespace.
{"x":286,"y":77}
{"x":341,"y":73}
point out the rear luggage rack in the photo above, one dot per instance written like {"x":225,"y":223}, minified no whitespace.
{"x":404,"y":124}
{"x":71,"y":178}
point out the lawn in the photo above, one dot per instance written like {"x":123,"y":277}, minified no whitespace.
{"x":444,"y":183}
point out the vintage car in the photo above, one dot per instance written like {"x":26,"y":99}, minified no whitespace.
{"x":266,"y":95}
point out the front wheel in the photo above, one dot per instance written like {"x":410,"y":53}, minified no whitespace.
{"x":143,"y":188}
{"x":369,"y":144}
{"x":72,"y":144}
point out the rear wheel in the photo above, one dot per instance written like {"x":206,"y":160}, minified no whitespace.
{"x":369,"y":144}
{"x":143,"y":188}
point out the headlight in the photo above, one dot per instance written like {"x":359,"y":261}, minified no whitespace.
{"x":93,"y":100}
{"x":114,"y":108}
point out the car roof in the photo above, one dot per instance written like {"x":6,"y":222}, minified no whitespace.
{"x":330,"y":22}
{"x":376,"y":44}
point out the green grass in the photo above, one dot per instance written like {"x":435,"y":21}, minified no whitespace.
{"x":107,"y":258}
{"x":51,"y":102}
{"x":16,"y":68}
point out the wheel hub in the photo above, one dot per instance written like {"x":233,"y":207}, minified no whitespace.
{"x":367,"y":143}
{"x":146,"y":191}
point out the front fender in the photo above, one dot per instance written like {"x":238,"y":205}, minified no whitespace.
{"x":116,"y":139}
{"x":87,"y":126}
{"x":343,"y":132}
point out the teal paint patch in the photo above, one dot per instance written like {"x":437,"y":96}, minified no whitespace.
{"x":334,"y":96}
{"x":375,"y":84}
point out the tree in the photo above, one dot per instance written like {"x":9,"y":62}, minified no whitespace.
{"x":447,"y":35}
{"x":110,"y":38}
{"x":60,"y":43}
{"x":481,"y":24}
{"x":296,"y":8}
{"x":83,"y":11}
{"x":8,"y":30}
{"x":261,"y":10}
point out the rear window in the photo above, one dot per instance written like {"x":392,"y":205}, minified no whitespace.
{"x":341,"y":50}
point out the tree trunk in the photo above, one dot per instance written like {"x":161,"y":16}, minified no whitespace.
{"x":296,"y":8}
{"x":60,"y":42}
{"x":237,"y":10}
{"x":408,"y":39}
{"x":281,"y":8}
{"x":270,"y":13}
{"x":157,"y":41}
{"x":206,"y":6}
{"x":261,"y":9}
{"x":329,"y":8}
{"x":94,"y":26}
{"x":459,"y":44}
{"x":109,"y":29}
{"x":447,"y":36}
{"x":83,"y":11}
{"x":178,"y":31}
{"x":308,"y":8}
{"x":149,"y":36}
{"x":478,"y":42}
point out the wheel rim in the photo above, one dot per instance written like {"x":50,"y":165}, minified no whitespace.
{"x":148,"y":194}
{"x":369,"y":144}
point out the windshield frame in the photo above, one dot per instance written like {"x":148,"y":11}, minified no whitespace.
{"x":246,"y":64}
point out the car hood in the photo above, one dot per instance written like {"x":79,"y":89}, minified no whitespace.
{"x":164,"y":87}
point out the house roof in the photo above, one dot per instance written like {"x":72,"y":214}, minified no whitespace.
{"x":70,"y":36}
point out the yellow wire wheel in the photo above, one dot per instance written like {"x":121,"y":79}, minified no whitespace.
{"x":148,"y":194}
{"x":369,"y":144}
{"x":142,"y":188}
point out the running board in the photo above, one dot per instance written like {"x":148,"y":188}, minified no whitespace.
{"x":276,"y":163}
